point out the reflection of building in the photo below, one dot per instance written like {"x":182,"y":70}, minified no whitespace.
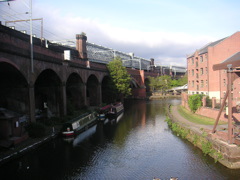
{"x":201,"y":77}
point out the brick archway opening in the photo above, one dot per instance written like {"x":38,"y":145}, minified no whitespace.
{"x":47,"y":95}
{"x":92,"y":91}
{"x":74,"y":91}
{"x":13,"y":89}
{"x":108,"y":92}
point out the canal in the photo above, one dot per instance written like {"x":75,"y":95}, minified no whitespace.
{"x":138,"y":145}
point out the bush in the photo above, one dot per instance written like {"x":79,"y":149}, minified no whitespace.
{"x":195,"y":102}
{"x":36,"y":130}
{"x":208,"y":102}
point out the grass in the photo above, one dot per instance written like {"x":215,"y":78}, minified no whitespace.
{"x":197,"y":118}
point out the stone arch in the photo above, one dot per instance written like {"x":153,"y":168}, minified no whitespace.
{"x":134,"y":83}
{"x":92,"y":90}
{"x":47,"y":93}
{"x":13,"y":88}
{"x":147,"y":84}
{"x":74,"y":93}
{"x":108,"y":95}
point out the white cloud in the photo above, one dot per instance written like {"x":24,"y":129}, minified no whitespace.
{"x":164,"y":47}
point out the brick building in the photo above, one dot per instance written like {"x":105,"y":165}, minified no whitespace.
{"x":201,"y":77}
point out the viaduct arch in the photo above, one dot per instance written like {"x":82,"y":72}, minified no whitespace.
{"x":59,"y":83}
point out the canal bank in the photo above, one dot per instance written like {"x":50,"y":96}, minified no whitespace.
{"x":212,"y":144}
{"x":28,"y":145}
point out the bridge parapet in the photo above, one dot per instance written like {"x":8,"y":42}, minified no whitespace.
{"x":151,"y":74}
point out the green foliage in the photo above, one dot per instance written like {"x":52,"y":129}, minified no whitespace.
{"x":195,"y":102}
{"x":36,"y":130}
{"x":217,"y":156}
{"x":161,"y":83}
{"x":174,"y":83}
{"x":208,"y":102}
{"x":195,"y":139}
{"x":206,"y":148}
{"x":176,"y":128}
{"x":169,"y":121}
{"x":183,"y":80}
{"x":195,"y":118}
{"x":119,"y":77}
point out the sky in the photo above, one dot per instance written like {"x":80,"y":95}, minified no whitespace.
{"x":164,"y":30}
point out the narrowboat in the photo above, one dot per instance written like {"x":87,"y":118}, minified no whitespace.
{"x":102,"y":112}
{"x":115,"y":110}
{"x":78,"y":124}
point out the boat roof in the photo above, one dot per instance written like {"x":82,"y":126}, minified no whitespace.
{"x":78,"y":117}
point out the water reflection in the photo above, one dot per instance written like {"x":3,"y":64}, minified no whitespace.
{"x":137,"y":145}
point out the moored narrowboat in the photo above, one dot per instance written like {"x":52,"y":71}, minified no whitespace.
{"x":78,"y":124}
{"x":102,"y":112}
{"x":115,"y":110}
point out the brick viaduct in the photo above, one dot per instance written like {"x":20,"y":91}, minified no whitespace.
{"x":25,"y":84}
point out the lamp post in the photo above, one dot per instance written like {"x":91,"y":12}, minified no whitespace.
{"x":31,"y":37}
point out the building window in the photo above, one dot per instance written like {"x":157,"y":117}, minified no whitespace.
{"x":206,"y":83}
{"x":192,"y":72}
{"x":192,"y":83}
{"x":196,"y":63}
{"x":202,"y":85}
{"x":224,"y":82}
{"x":192,"y":61}
{"x":201,"y":71}
{"x":206,"y":70}
{"x":201,"y":59}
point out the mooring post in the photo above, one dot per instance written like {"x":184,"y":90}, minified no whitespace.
{"x":230,"y":129}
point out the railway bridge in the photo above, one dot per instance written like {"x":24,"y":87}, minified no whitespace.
{"x":57,"y":77}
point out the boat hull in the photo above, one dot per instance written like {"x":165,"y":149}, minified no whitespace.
{"x":79,"y":124}
{"x":68,"y":133}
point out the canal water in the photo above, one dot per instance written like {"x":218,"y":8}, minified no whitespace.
{"x":138,"y":145}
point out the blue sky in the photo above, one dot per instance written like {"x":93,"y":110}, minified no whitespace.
{"x":159,"y":29}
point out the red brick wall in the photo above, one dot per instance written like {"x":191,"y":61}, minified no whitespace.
{"x":206,"y":111}
{"x":215,"y":55}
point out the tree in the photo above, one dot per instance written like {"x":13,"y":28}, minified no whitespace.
{"x":161,"y":83}
{"x":174,"y":83}
{"x":119,"y":77}
{"x":183,"y":80}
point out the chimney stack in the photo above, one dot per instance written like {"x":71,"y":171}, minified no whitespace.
{"x":152,"y":61}
{"x":81,"y":45}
